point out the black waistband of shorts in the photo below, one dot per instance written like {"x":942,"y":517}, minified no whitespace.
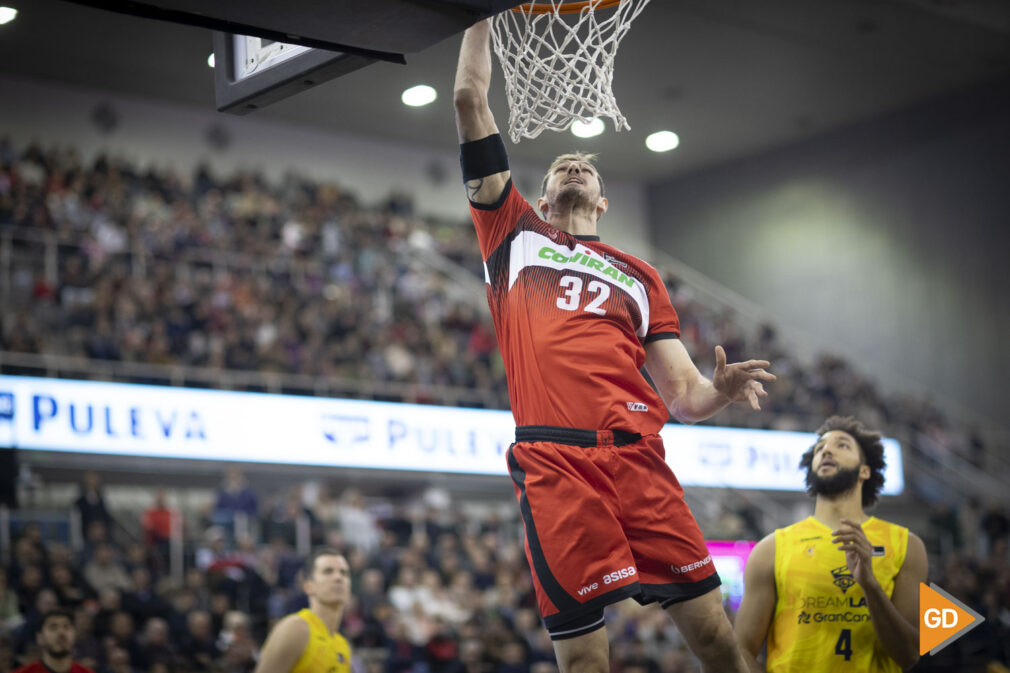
{"x":575,"y":436}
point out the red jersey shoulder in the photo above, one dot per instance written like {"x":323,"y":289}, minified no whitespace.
{"x":494,"y":222}
{"x":39,"y":667}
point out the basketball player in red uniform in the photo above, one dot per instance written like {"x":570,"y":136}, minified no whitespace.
{"x":576,"y":319}
{"x":56,"y":636}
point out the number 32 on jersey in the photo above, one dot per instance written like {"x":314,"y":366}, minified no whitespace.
{"x":572,"y":297}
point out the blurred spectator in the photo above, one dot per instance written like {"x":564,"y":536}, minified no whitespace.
{"x":30,"y":585}
{"x":105,"y":571}
{"x":117,"y":661}
{"x":95,"y":534}
{"x":357,"y":524}
{"x":10,"y":611}
{"x":45,"y":602}
{"x":283,"y":520}
{"x":156,"y":645}
{"x":156,"y":523}
{"x":91,"y":504}
{"x":237,"y":644}
{"x":70,"y":590}
{"x":121,"y":635}
{"x":26,"y":555}
{"x":969,"y":522}
{"x":89,"y":650}
{"x":183,"y":602}
{"x":199,"y":645}
{"x":234,"y":497}
{"x":32,"y":536}
{"x":142,"y":601}
{"x":995,"y":525}
{"x":110,"y":601}
{"x":945,"y":527}
{"x":56,"y":636}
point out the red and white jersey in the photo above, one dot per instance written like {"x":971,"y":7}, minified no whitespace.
{"x":572,"y":317}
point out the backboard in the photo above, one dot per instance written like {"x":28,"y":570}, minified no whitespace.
{"x":266,"y":50}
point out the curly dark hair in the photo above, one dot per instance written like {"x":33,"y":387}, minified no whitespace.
{"x":870,"y":446}
{"x":53,"y":614}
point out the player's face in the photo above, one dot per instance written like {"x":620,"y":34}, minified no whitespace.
{"x":57,"y":637}
{"x":837,"y":465}
{"x":330,"y":583}
{"x":573,"y":182}
{"x":835,"y":450}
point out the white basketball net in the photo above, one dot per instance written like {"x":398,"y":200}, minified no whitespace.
{"x":560,"y":67}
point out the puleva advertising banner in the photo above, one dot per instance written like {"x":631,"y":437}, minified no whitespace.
{"x":116,"y":418}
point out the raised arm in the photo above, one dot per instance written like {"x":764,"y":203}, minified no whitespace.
{"x":688,"y":395}
{"x":474,"y":121}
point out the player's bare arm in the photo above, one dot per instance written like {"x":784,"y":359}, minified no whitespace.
{"x":758,"y":606}
{"x":895,"y":620}
{"x":284,"y":646}
{"x":474,"y":120}
{"x":691,"y":397}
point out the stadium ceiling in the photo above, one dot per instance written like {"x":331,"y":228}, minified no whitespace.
{"x":732,"y":78}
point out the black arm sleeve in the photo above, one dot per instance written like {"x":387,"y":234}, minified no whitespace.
{"x":484,"y":157}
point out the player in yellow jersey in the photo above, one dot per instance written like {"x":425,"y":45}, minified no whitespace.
{"x":837,"y":591}
{"x":308,"y":641}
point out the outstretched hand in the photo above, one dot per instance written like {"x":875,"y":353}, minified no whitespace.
{"x":741,"y":381}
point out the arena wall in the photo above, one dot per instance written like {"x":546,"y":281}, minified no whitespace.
{"x":885,"y":242}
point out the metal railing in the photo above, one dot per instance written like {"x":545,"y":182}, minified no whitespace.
{"x":66,"y":366}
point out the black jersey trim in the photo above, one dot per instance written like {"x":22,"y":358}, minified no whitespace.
{"x":633,"y":590}
{"x":674,"y":592}
{"x":580,"y":626}
{"x":571,"y":436}
{"x":660,"y":336}
{"x":586,"y":237}
{"x":497,"y":204}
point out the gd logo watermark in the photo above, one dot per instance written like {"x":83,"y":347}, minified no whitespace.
{"x":942,"y":619}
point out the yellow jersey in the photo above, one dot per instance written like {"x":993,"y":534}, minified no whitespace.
{"x":325,"y":652}
{"x":821,"y":622}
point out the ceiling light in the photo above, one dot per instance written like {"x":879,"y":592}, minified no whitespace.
{"x":7,"y":14}
{"x":419,"y":95}
{"x":210,"y":60}
{"x":662,"y":141}
{"x":581,"y":129}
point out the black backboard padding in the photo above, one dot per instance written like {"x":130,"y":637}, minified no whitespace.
{"x":379,"y":29}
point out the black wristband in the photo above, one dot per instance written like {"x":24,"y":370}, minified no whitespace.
{"x":484,"y":157}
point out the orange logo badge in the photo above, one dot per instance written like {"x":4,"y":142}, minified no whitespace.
{"x":942,"y":619}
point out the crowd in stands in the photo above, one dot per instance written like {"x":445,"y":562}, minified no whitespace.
{"x":296,"y":278}
{"x":156,"y":266}
{"x":434,"y":590}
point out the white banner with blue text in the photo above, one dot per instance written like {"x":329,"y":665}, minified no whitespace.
{"x":117,"y":418}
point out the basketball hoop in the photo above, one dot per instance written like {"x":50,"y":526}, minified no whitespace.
{"x":558,"y":60}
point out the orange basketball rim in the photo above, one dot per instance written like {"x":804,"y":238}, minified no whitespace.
{"x":565,"y":7}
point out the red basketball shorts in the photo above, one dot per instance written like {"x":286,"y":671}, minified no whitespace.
{"x":605,"y":520}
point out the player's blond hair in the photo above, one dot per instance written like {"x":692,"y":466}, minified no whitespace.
{"x":586,"y":157}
